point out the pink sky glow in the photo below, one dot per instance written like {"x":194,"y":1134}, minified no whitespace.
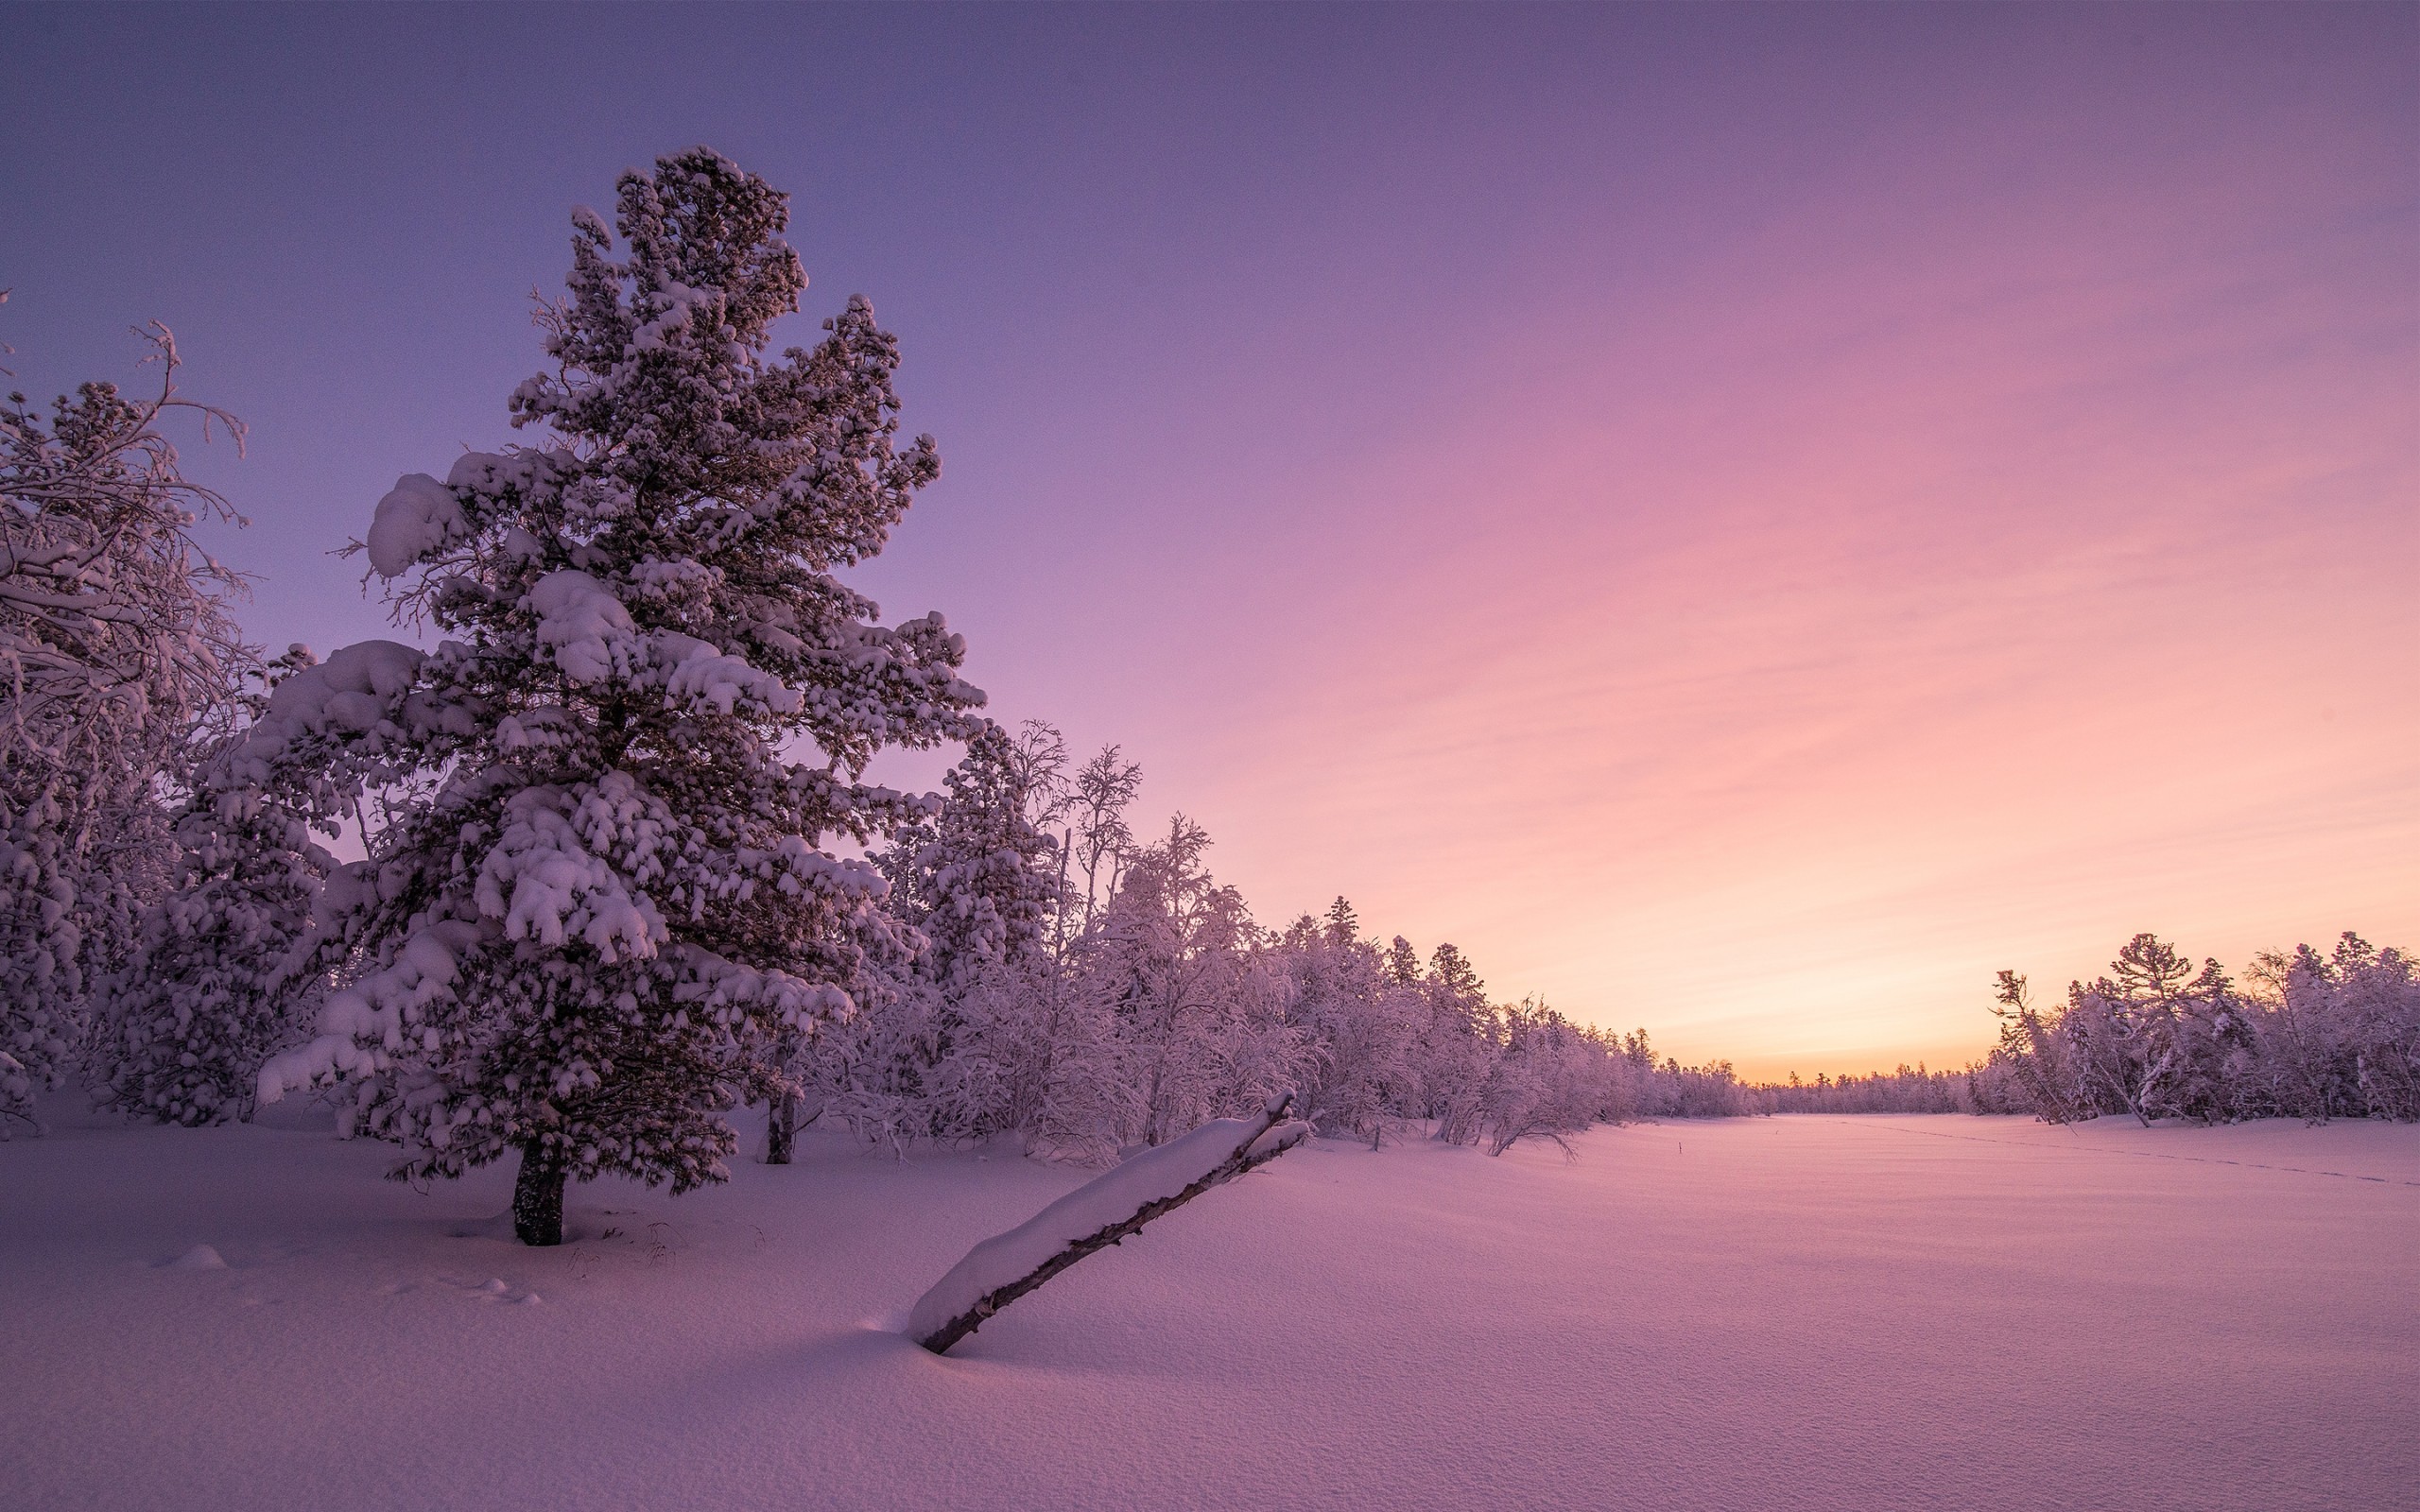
{"x":1745,"y":520}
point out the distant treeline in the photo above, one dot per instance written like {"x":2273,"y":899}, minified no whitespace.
{"x":1984,"y":1087}
{"x":2309,"y":1036}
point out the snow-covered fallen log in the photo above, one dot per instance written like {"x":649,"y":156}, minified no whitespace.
{"x":1098,"y":1213}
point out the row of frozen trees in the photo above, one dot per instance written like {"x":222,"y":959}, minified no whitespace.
{"x":1984,"y":1087}
{"x":621,"y":865}
{"x":1077,"y":989}
{"x":2309,"y":1036}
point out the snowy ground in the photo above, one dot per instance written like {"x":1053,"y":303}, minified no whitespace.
{"x":1818,"y":1313}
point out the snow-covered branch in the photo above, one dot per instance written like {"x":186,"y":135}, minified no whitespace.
{"x":1106,"y":1211}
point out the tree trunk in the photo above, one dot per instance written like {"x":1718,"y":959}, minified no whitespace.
{"x":781,"y":1128}
{"x":538,"y":1199}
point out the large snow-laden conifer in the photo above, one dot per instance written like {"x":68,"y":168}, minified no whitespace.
{"x":603,"y":891}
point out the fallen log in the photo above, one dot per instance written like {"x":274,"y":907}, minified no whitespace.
{"x":1101,"y":1212}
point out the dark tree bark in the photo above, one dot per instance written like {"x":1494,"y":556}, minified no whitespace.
{"x":538,"y":1199}
{"x":781,"y":1128}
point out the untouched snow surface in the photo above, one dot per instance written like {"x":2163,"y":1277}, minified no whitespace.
{"x":1817,"y":1313}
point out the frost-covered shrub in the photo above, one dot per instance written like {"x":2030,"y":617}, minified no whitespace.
{"x":599,"y":908}
{"x":2339,"y":1034}
{"x":990,"y":1032}
{"x":1039,"y":1059}
{"x":2377,"y":998}
{"x":1549,"y":1079}
{"x":1202,"y":1009}
{"x":115,"y":654}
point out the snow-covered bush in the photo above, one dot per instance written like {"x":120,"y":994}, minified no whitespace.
{"x":1039,"y":1059}
{"x":600,"y":896}
{"x":989,"y":1032}
{"x":1549,"y":1079}
{"x":115,"y":653}
{"x":2338,"y":1034}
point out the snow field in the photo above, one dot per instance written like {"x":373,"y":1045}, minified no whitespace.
{"x":1827,"y":1313}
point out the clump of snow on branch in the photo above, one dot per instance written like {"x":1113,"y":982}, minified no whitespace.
{"x":417,"y":517}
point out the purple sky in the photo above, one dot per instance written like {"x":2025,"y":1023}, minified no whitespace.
{"x":1747,"y":520}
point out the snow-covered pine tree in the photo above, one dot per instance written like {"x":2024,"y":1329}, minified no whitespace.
{"x":968,"y":1044}
{"x":180,"y":1032}
{"x":1202,"y":1009}
{"x":603,"y":892}
{"x":979,"y":878}
{"x":115,"y":651}
{"x":1359,"y":1024}
{"x":1457,"y":1046}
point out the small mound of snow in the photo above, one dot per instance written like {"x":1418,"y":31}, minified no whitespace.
{"x":200,"y":1257}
